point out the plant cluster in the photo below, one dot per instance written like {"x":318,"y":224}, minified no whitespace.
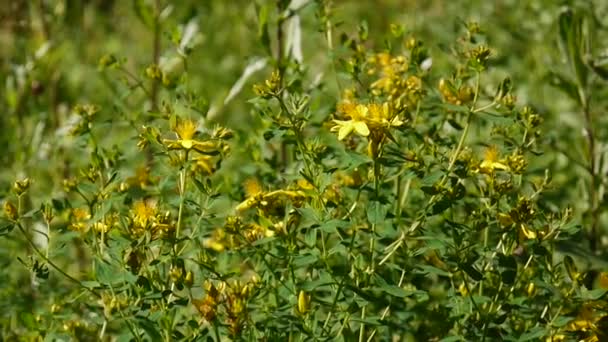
{"x":403,"y":196}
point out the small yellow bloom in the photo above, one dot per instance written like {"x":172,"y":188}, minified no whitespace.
{"x":80,"y":216}
{"x":252,"y":187}
{"x":463,"y":290}
{"x":526,"y":232}
{"x":185,"y":130}
{"x":218,"y":241}
{"x":380,"y":115}
{"x":203,"y":164}
{"x":357,"y":123}
{"x":10,"y":211}
{"x":21,"y":186}
{"x":143,"y":212}
{"x":491,"y":161}
{"x":505,"y":219}
{"x":345,"y":128}
{"x":142,"y":178}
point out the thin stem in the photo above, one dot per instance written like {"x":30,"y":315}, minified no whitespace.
{"x":386,"y":310}
{"x":138,"y":82}
{"x":43,"y":22}
{"x":48,"y":238}
{"x":362,"y":328}
{"x":48,"y":261}
{"x":182,"y":197}
{"x":594,"y":191}
{"x":155,"y":53}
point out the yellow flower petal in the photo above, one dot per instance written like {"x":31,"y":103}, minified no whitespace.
{"x":187,"y":144}
{"x":345,"y":130}
{"x":528,"y":233}
{"x":361,"y":128}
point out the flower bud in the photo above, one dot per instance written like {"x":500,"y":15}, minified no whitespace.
{"x":303,"y":302}
{"x":21,"y":186}
{"x":189,"y":279}
{"x":10,"y":211}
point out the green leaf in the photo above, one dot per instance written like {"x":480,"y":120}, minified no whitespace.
{"x":455,"y":124}
{"x":376,"y":212}
{"x":309,"y":217}
{"x":323,"y":280}
{"x":561,"y":321}
{"x":508,"y":277}
{"x":455,"y":108}
{"x":263,"y":241}
{"x":432,"y":178}
{"x":571,"y":269}
{"x":112,"y":274}
{"x":263,"y":34}
{"x":200,"y":186}
{"x":592,"y":294}
{"x":507,"y":261}
{"x":6,"y":228}
{"x":305,"y":260}
{"x":395,"y":291}
{"x":472,"y":272}
{"x":453,"y":339}
{"x":572,"y":36}
{"x":428,"y":269}
{"x":144,"y":13}
{"x":533,"y":334}
{"x":151,"y":328}
{"x":441,"y":206}
{"x":90,"y":284}
{"x":600,"y":70}
{"x":564,"y":84}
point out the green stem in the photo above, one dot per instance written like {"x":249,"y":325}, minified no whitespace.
{"x":182,"y":197}
{"x":362,"y":328}
{"x":48,"y":261}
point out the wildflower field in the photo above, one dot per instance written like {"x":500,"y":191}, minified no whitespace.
{"x":304,"y":170}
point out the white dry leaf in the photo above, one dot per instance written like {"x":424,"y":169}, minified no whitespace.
{"x":253,"y":67}
{"x":188,"y":35}
{"x":426,"y":64}
{"x":297,"y":4}
{"x":294,"y":38}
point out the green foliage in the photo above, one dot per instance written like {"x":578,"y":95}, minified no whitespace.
{"x":310,"y":170}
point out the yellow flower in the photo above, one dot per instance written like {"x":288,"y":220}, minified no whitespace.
{"x":255,"y":232}
{"x":527,"y":233}
{"x":380,"y":115}
{"x":491,"y":161}
{"x":252,"y":187}
{"x":204,"y":164}
{"x":218,"y":241}
{"x":185,"y":130}
{"x":345,"y":128}
{"x":586,"y":319}
{"x":357,"y":123}
{"x":143,"y":212}
{"x":142,"y":177}
{"x":10,"y":211}
{"x":365,"y":118}
{"x":80,"y":216}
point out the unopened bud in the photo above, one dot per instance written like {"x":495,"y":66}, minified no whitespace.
{"x":10,"y":211}
{"x":303,"y":302}
{"x":21,"y":186}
